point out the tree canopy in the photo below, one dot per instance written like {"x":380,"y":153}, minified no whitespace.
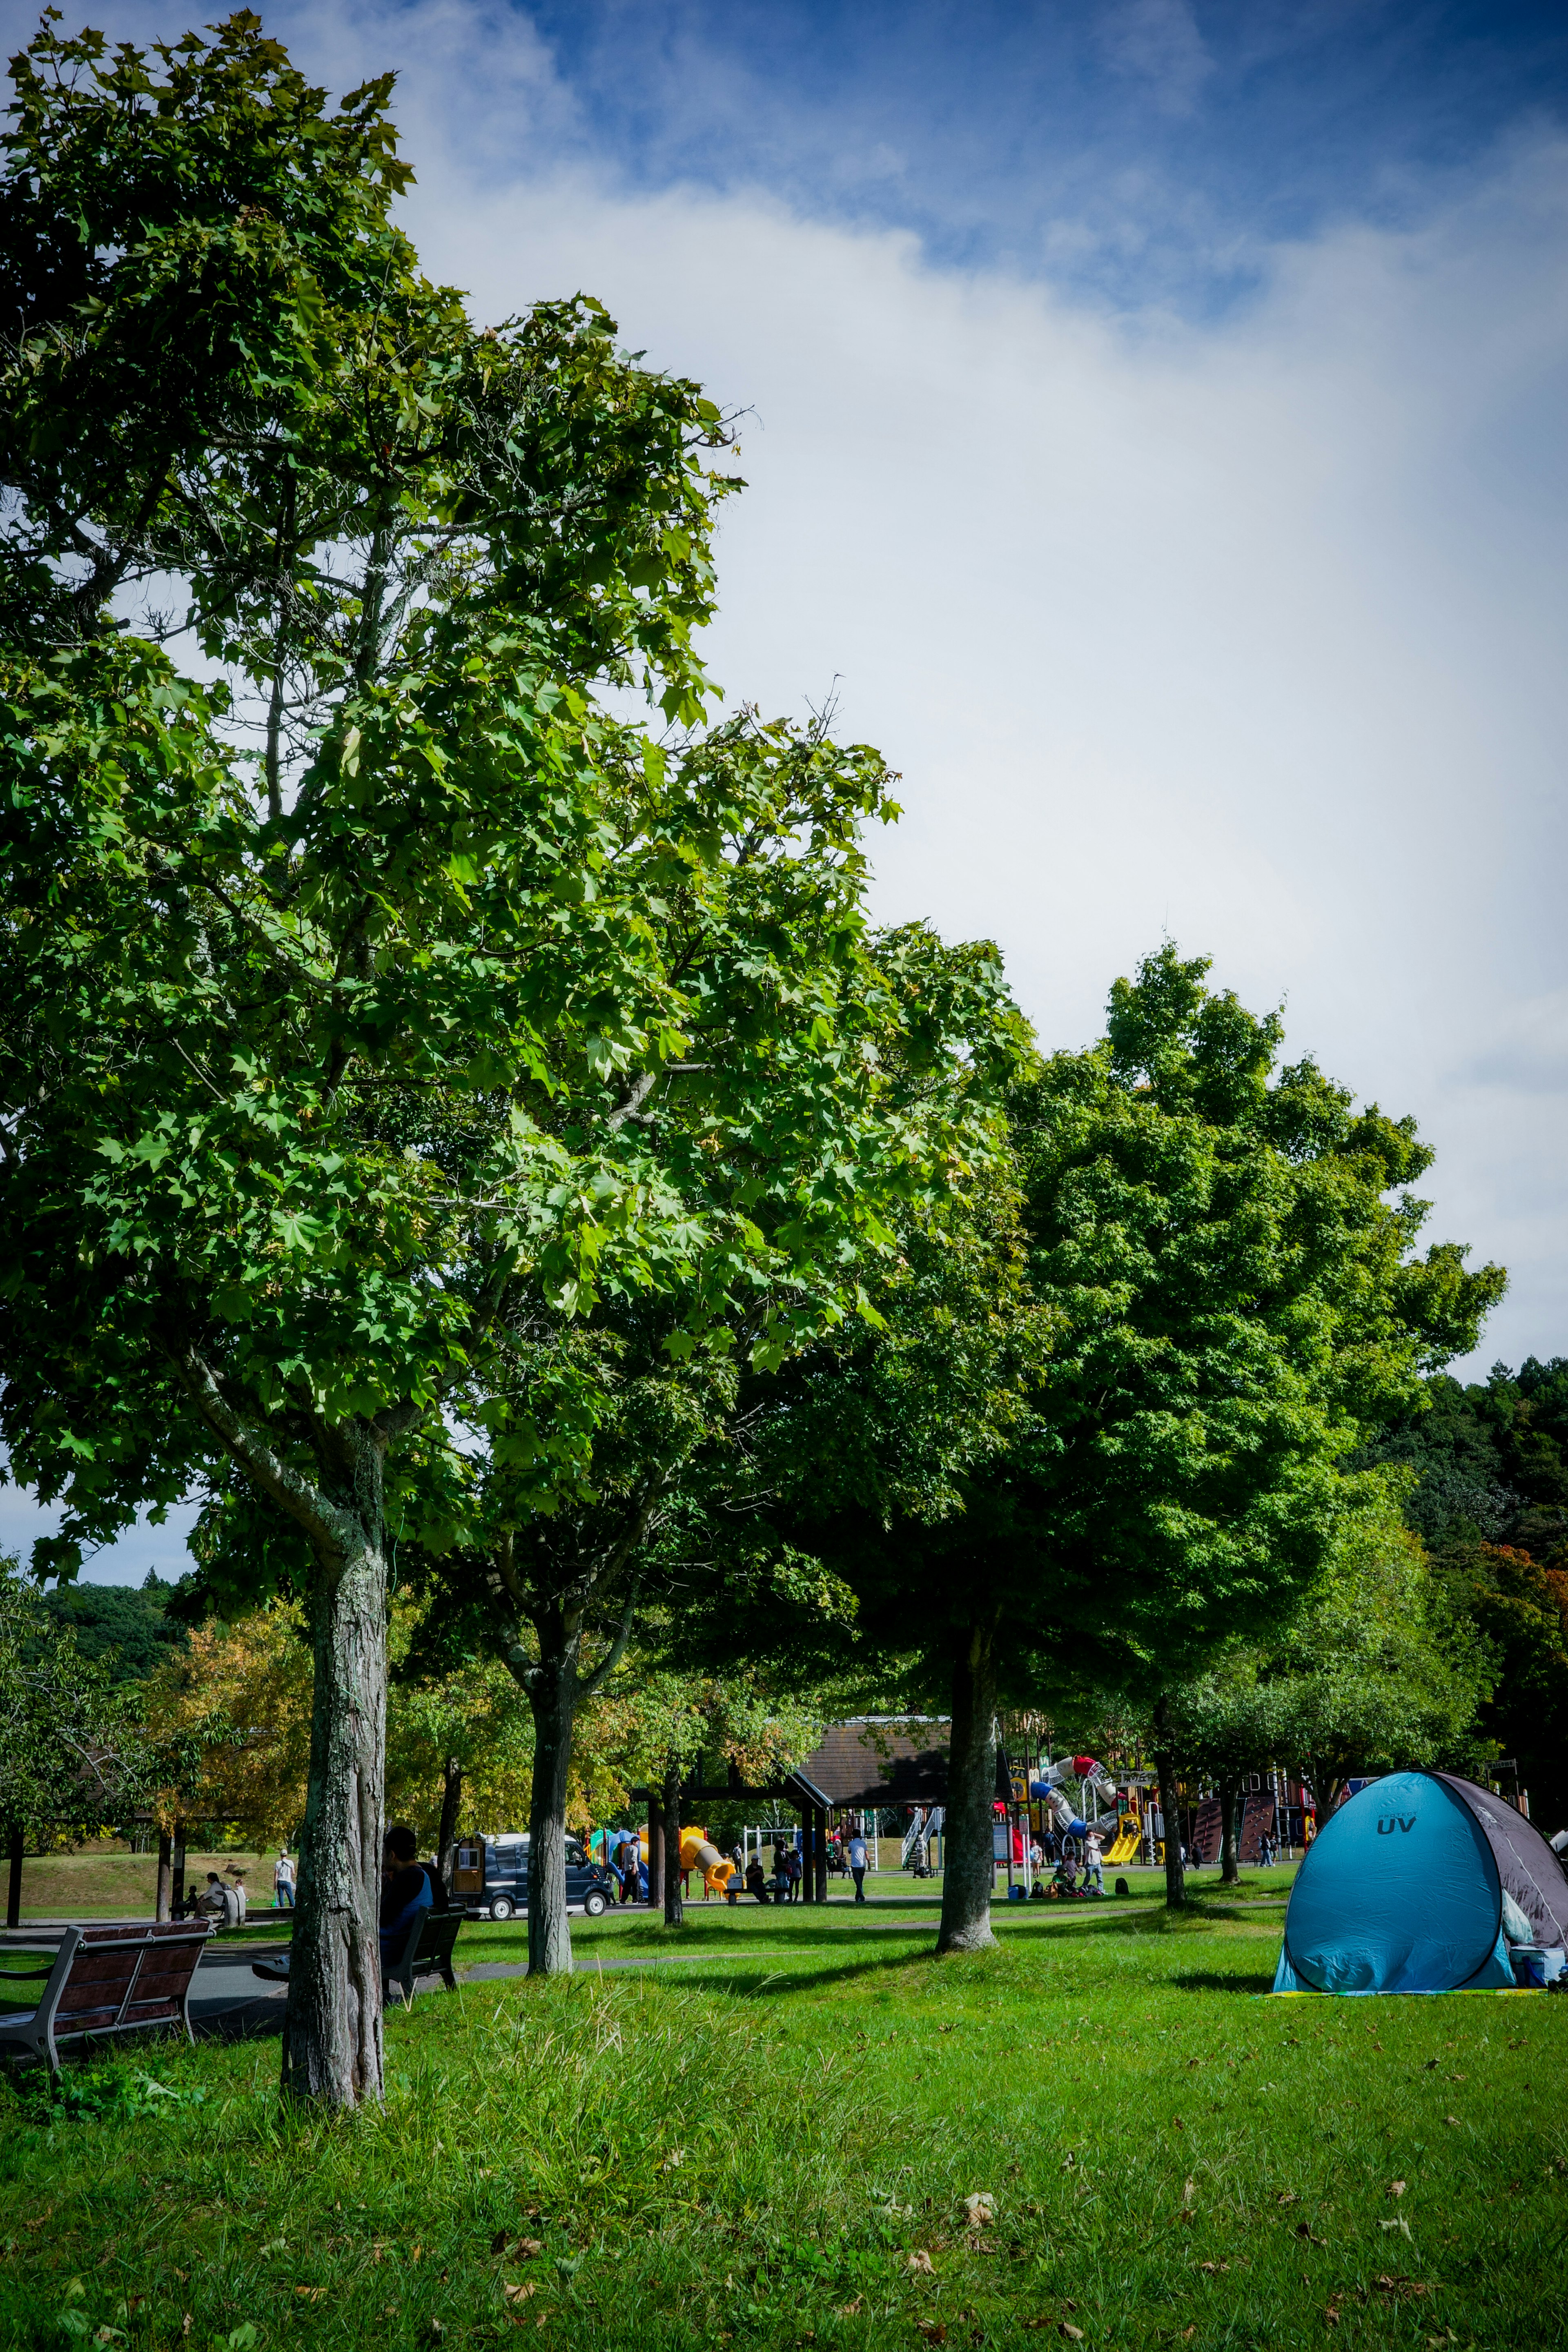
{"x":1201,"y":1298}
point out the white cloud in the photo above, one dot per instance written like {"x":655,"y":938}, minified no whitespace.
{"x":1249,"y":632}
{"x":1159,"y":41}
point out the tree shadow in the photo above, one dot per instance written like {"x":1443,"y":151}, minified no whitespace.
{"x":1212,"y":1980}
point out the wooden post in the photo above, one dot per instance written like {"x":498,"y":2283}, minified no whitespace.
{"x":655,"y":1852}
{"x":14,"y":1886}
{"x":165,"y":1874}
{"x":177,"y":1889}
{"x":673,"y":1913}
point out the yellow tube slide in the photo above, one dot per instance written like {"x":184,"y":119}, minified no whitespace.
{"x":698,"y":1853}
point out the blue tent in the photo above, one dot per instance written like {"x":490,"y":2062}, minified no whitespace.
{"x":1403,"y":1890}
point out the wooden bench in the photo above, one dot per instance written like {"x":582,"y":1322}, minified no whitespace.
{"x":427,"y":1953}
{"x":107,"y":1981}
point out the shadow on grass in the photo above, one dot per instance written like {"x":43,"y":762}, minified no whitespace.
{"x":1211,"y":1980}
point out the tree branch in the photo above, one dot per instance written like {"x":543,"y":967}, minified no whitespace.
{"x":278,"y":1479}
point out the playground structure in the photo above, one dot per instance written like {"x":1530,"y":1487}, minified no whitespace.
{"x":698,"y":1852}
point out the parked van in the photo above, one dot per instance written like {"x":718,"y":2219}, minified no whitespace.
{"x":489,"y":1878}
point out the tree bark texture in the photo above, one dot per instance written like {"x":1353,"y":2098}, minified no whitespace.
{"x":968,"y":1875}
{"x":332,"y":2029}
{"x":1230,"y":1845}
{"x":177,"y":1870}
{"x":451,"y":1804}
{"x":1170,"y":1808}
{"x":165,"y":1874}
{"x":673,"y":1912}
{"x":655,"y":1852}
{"x":553,"y":1692}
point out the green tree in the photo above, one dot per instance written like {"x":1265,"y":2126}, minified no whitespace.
{"x":72,"y":1758}
{"x":126,"y":1626}
{"x":1130,"y":1439}
{"x":297,"y":963}
{"x":1376,"y":1672}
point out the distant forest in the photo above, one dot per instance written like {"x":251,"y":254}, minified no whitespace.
{"x":1490,"y":1502}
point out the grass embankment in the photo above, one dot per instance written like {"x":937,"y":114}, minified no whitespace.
{"x":772,"y":2144}
{"x":109,"y":1882}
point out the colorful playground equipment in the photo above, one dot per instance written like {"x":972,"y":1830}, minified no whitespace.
{"x":698,"y":1852}
{"x":1090,"y":1774}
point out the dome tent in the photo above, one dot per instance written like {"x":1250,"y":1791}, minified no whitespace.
{"x":1404,"y":1890}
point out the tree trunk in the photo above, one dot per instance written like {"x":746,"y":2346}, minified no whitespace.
{"x":177,"y":1871}
{"x":655,"y":1852}
{"x":14,"y":1877}
{"x":447,"y":1836}
{"x":552,"y":1695}
{"x":673,"y":1913}
{"x":165,"y":1874}
{"x":1165,"y":1765}
{"x":971,"y":1793}
{"x":1230,"y":1844}
{"x":332,"y":2032}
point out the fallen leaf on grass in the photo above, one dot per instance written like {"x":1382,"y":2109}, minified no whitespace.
{"x":852,"y":2310}
{"x":1401,"y":2225}
{"x":918,"y":2260}
{"x":1074,"y":2335}
{"x":1331,"y":2314}
{"x":1214,"y":2268}
{"x":1189,"y":2332}
{"x":981,"y":2209}
{"x":1450,"y":2119}
{"x":1304,"y":2230}
{"x":674,"y":2160}
{"x":311,"y":2294}
{"x":932,"y":2330}
{"x":1396,"y":2188}
{"x":1189,"y":2190}
{"x":515,"y":2292}
{"x":1286,"y":2197}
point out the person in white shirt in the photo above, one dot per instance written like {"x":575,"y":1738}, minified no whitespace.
{"x":1093,"y":1875}
{"x":283,"y":1881}
{"x":238,"y":1890}
{"x":857,"y":1860}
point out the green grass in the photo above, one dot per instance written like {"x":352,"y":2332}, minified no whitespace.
{"x":749,"y":2148}
{"x":106,"y":1880}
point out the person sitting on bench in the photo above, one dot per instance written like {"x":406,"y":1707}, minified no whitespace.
{"x":406,"y":1893}
{"x":757,"y":1879}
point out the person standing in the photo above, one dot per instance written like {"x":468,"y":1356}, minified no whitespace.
{"x":241,"y":1904}
{"x":283,"y":1881}
{"x":858,"y":1860}
{"x":1093,"y":1875}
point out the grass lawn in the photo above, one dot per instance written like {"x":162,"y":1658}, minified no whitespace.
{"x":109,"y":1881}
{"x":769,"y":2141}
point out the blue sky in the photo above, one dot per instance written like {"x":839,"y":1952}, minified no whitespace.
{"x":1152,"y":420}
{"x":1133,"y":148}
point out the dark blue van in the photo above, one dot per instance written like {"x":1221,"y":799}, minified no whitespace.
{"x":489,"y":1878}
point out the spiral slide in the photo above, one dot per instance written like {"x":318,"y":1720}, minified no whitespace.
{"x":1084,"y":1768}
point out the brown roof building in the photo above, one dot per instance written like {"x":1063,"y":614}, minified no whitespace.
{"x":874,"y":1761}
